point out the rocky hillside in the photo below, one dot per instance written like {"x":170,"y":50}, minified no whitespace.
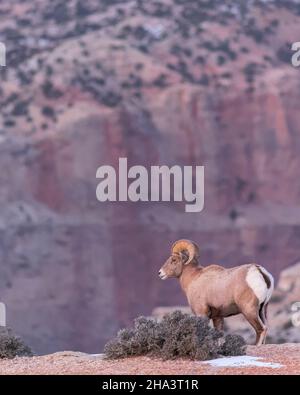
{"x":67,"y":57}
{"x":160,"y":82}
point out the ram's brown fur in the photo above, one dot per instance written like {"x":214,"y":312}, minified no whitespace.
{"x":217,"y":292}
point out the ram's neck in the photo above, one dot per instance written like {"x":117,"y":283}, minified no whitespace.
{"x":188,"y":274}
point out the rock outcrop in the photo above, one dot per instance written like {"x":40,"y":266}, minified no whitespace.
{"x":164,"y":82}
{"x":273,"y":359}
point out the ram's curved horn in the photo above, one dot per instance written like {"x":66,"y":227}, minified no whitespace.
{"x":186,"y":245}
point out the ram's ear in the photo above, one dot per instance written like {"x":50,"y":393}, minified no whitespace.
{"x":184,"y":257}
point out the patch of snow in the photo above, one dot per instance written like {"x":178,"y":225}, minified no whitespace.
{"x":156,"y":31}
{"x":244,"y":360}
{"x":97,"y":355}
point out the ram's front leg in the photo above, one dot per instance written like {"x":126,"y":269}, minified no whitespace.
{"x":202,"y":311}
{"x":218,"y":323}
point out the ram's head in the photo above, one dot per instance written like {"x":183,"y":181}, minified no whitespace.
{"x":183,"y":252}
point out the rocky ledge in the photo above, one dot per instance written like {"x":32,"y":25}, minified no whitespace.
{"x":267,"y":359}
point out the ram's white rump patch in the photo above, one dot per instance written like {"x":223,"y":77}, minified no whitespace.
{"x":257,"y":283}
{"x":270,"y":277}
{"x":244,"y":360}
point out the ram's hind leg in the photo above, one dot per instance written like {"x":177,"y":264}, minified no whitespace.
{"x":263,"y":316}
{"x":252,"y":316}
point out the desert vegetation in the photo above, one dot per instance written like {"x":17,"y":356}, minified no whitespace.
{"x":177,"y":335}
{"x":11,"y":345}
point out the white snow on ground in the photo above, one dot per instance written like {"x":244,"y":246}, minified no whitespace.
{"x":244,"y":360}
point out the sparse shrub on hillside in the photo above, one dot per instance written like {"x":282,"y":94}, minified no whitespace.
{"x":82,"y":9}
{"x":224,"y":46}
{"x":20,"y":108}
{"x":111,"y":99}
{"x":143,"y":48}
{"x":194,"y":15}
{"x":268,"y":59}
{"x":179,"y":51}
{"x":140,"y":33}
{"x":124,"y":32}
{"x":155,"y":8}
{"x":109,"y":3}
{"x":9,"y":123}
{"x":226,"y":75}
{"x":161,"y":81}
{"x":256,"y":34}
{"x":58,"y":12}
{"x":12,"y":346}
{"x":260,"y":34}
{"x":233,"y":345}
{"x":184,"y":28}
{"x":177,"y":335}
{"x":49,"y":71}
{"x":48,"y":111}
{"x":233,"y":214}
{"x":275,"y":23}
{"x":244,"y":50}
{"x":284,"y":53}
{"x":200,"y":59}
{"x":204,"y":4}
{"x":24,"y":78}
{"x":221,"y":60}
{"x":204,"y":80}
{"x":220,"y":46}
{"x":50,"y":91}
{"x":131,"y":83}
{"x":251,"y":70}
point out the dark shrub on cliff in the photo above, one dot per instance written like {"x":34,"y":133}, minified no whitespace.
{"x":12,"y":346}
{"x":177,"y":335}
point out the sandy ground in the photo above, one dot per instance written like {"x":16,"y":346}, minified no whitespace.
{"x":287,"y":355}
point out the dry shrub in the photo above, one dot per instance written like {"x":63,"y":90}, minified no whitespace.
{"x":11,"y":345}
{"x":177,"y":335}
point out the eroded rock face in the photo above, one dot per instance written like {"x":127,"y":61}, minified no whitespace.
{"x":89,"y":82}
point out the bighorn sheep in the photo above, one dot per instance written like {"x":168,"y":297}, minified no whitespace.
{"x":217,"y":292}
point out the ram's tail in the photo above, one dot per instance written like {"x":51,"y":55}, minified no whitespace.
{"x":268,"y":278}
{"x":262,"y":284}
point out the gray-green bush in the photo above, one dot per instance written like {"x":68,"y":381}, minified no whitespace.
{"x":177,"y":335}
{"x":12,"y":346}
